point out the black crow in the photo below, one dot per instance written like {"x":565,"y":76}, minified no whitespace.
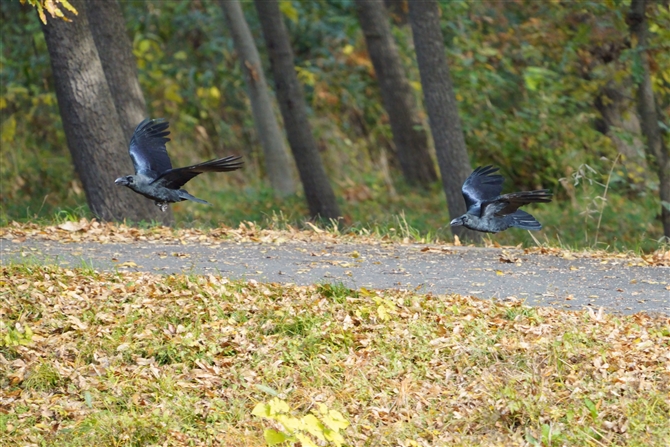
{"x":154,"y":177}
{"x":490,"y":212}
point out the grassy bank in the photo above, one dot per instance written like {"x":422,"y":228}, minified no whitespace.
{"x":626,"y":223}
{"x":141,"y":359}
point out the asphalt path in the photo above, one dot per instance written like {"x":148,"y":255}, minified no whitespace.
{"x":570,"y":283}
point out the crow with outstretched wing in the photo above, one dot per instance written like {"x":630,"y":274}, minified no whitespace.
{"x":490,"y":212}
{"x":154,"y":176}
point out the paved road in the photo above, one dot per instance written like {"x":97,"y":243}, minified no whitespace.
{"x":540,"y":280}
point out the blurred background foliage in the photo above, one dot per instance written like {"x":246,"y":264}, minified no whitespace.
{"x":527,"y":75}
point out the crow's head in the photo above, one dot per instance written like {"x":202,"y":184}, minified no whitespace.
{"x":459,"y":221}
{"x":128,"y":180}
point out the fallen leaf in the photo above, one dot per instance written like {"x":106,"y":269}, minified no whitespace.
{"x":128,"y":264}
{"x":73,"y":226}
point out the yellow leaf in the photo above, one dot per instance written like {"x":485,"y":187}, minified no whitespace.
{"x":290,"y":423}
{"x":314,"y":227}
{"x":348,"y":49}
{"x":50,"y":7}
{"x":144,"y":46}
{"x":305,"y":76}
{"x":286,"y":7}
{"x":416,"y":85}
{"x":8,"y":130}
{"x":274,"y":437}
{"x":69,"y":7}
{"x":365,"y":292}
{"x":335,"y":420}
{"x":43,"y":16}
{"x":382,"y":313}
{"x":278,"y":406}
{"x":313,"y":426}
{"x":128,"y":264}
{"x":305,"y":441}
{"x":172,"y":93}
{"x":261,"y":410}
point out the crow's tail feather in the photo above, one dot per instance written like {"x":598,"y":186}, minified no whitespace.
{"x":539,"y":195}
{"x":525,"y":221}
{"x":186,"y":196}
{"x":230,"y":163}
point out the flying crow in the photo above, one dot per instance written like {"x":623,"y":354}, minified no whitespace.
{"x":490,"y":212}
{"x":154,"y":177}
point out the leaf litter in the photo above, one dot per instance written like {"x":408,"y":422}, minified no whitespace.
{"x":86,"y":230}
{"x":90,"y":357}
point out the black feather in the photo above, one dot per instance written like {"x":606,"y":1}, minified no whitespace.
{"x":482,"y":185}
{"x":176,"y":178}
{"x":154,"y":177}
{"x":490,"y":212}
{"x":147,"y":148}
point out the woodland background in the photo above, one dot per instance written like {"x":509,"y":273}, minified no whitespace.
{"x":546,"y":91}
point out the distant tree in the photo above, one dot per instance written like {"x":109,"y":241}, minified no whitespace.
{"x":94,"y":134}
{"x":410,"y":138}
{"x":398,"y":10}
{"x":616,"y":106}
{"x":277,"y":161}
{"x":318,"y":191}
{"x":440,"y":100}
{"x":650,"y":118}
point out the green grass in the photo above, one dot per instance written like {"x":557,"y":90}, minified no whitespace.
{"x":38,"y":186}
{"x":628,"y":223}
{"x":141,"y":359}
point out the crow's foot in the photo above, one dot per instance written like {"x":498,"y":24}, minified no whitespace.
{"x":162,"y":205}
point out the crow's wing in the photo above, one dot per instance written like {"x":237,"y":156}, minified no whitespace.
{"x":509,"y":203}
{"x":481,"y":185}
{"x":147,"y":148}
{"x":176,"y":178}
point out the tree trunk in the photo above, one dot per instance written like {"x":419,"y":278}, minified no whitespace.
{"x":410,"y":138}
{"x":440,"y":100}
{"x":398,"y":10}
{"x":115,"y":50}
{"x":637,"y":21}
{"x":116,"y":54}
{"x":318,"y":191}
{"x":91,"y":123}
{"x":277,"y":161}
{"x":618,"y":115}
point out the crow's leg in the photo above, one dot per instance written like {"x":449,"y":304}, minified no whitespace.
{"x":162,"y":205}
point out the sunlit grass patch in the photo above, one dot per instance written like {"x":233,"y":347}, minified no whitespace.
{"x":134,"y":358}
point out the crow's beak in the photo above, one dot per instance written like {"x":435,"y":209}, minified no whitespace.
{"x":121,"y":181}
{"x":456,"y":222}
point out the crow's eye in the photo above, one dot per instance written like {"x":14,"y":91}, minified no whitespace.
{"x":130,"y":179}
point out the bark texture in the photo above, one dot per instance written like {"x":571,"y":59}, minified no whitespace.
{"x":618,"y":115}
{"x":318,"y":191}
{"x":94,"y":135}
{"x":646,"y":102}
{"x":440,"y":101}
{"x":277,"y":160}
{"x":115,"y":51}
{"x":118,"y":62}
{"x":409,"y":137}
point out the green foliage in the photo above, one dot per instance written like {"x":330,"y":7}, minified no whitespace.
{"x":526,"y":76}
{"x":322,"y":424}
{"x":15,"y":336}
